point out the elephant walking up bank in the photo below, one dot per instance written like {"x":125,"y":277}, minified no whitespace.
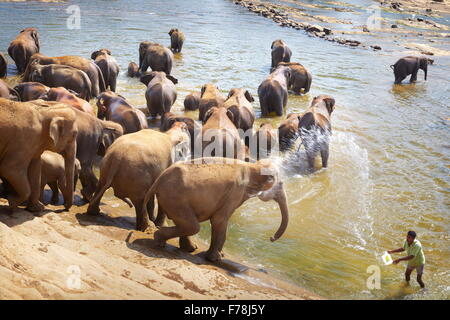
{"x":212,"y":189}
{"x":410,"y":66}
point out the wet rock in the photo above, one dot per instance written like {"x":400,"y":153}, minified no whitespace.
{"x":394,"y":26}
{"x":314,"y":28}
{"x":376,"y":47}
{"x":365,"y":29}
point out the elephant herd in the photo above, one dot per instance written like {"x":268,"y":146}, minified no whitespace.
{"x":51,"y":135}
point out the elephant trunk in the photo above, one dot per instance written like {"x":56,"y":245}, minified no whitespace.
{"x":280,"y":198}
{"x":69,"y":163}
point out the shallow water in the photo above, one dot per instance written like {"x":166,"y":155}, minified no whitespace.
{"x":389,"y":162}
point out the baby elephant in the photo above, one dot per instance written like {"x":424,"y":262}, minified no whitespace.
{"x":53,"y":174}
{"x":212,"y":189}
{"x":114,"y":107}
{"x":315,"y":128}
{"x":192,"y":101}
{"x":410,"y":66}
{"x":133,"y":70}
{"x":176,"y":40}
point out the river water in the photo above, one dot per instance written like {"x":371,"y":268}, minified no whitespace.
{"x":389,"y":161}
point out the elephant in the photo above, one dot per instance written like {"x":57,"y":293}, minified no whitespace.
{"x":3,"y":65}
{"x":280,"y":52}
{"x":273,"y":92}
{"x":161,"y":92}
{"x":168,"y":120}
{"x":31,"y":90}
{"x":410,"y":66}
{"x":210,"y":96}
{"x":69,"y":97}
{"x":288,"y":131}
{"x":266,"y":139}
{"x":53,"y":174}
{"x":315,"y":128}
{"x":133,"y":70}
{"x":25,"y":133}
{"x":93,"y":139}
{"x":300,"y":78}
{"x":132,"y":164}
{"x":89,"y":67}
{"x":7,"y":92}
{"x":192,"y":101}
{"x":155,"y":56}
{"x":212,"y":189}
{"x":176,"y":40}
{"x":23,"y":47}
{"x":239,"y":102}
{"x":109,"y":67}
{"x":219,"y":136}
{"x":114,"y":107}
{"x":57,"y":75}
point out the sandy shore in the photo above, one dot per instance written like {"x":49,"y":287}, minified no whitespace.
{"x":42,"y":256}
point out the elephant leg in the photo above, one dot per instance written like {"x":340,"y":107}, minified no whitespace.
{"x":218,"y":236}
{"x":160,"y":218}
{"x":186,"y":244}
{"x":88,"y":181}
{"x":324,"y":153}
{"x":94,"y":204}
{"x":413,"y":76}
{"x":113,"y":84}
{"x":185,"y":225}
{"x":34,"y":178}
{"x":399,"y":77}
{"x":310,"y":152}
{"x":141,"y":219}
{"x":54,"y":187}
{"x":18,"y":180}
{"x":151,"y":208}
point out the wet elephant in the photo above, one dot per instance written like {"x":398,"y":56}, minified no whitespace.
{"x":192,"y":101}
{"x":89,"y":67}
{"x":210,"y":96}
{"x":57,"y":75}
{"x":69,"y":97}
{"x":31,"y":90}
{"x":300,"y":79}
{"x":280,"y":52}
{"x":288,"y":131}
{"x":176,"y":40}
{"x":273,"y":92}
{"x":410,"y":66}
{"x":212,"y":189}
{"x":109,"y":67}
{"x":161,"y":92}
{"x":23,"y":47}
{"x":155,"y":56}
{"x":133,"y":70}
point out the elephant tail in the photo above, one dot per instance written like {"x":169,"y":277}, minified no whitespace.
{"x":101,"y":79}
{"x":308,"y":81}
{"x":150,"y":194}
{"x":105,"y":183}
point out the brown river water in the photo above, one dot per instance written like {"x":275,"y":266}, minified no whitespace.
{"x":389,"y":160}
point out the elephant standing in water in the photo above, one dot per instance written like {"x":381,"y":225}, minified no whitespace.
{"x":3,"y":65}
{"x":57,"y":75}
{"x":155,"y":56}
{"x":161,"y":92}
{"x":132,"y":164}
{"x":288,"y":131}
{"x":410,"y":66}
{"x":300,"y":78}
{"x":280,"y":52}
{"x":212,"y":189}
{"x":109,"y":67}
{"x":176,"y":40}
{"x":192,"y":101}
{"x":89,"y":67}
{"x":273,"y":92}
{"x":210,"y":96}
{"x":315,"y":128}
{"x":25,"y":133}
{"x":24,"y":47}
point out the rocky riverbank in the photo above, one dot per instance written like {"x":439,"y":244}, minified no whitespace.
{"x":364,"y":32}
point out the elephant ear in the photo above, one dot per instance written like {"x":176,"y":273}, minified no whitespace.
{"x":202,"y":91}
{"x":230,"y":115}
{"x":273,"y":43}
{"x":106,"y":140}
{"x":56,"y":129}
{"x":173,"y":79}
{"x":171,"y":31}
{"x":35,"y":36}
{"x":209,"y":113}
{"x":146,"y":78}
{"x":329,"y":102}
{"x":95,"y":54}
{"x":249,"y":96}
